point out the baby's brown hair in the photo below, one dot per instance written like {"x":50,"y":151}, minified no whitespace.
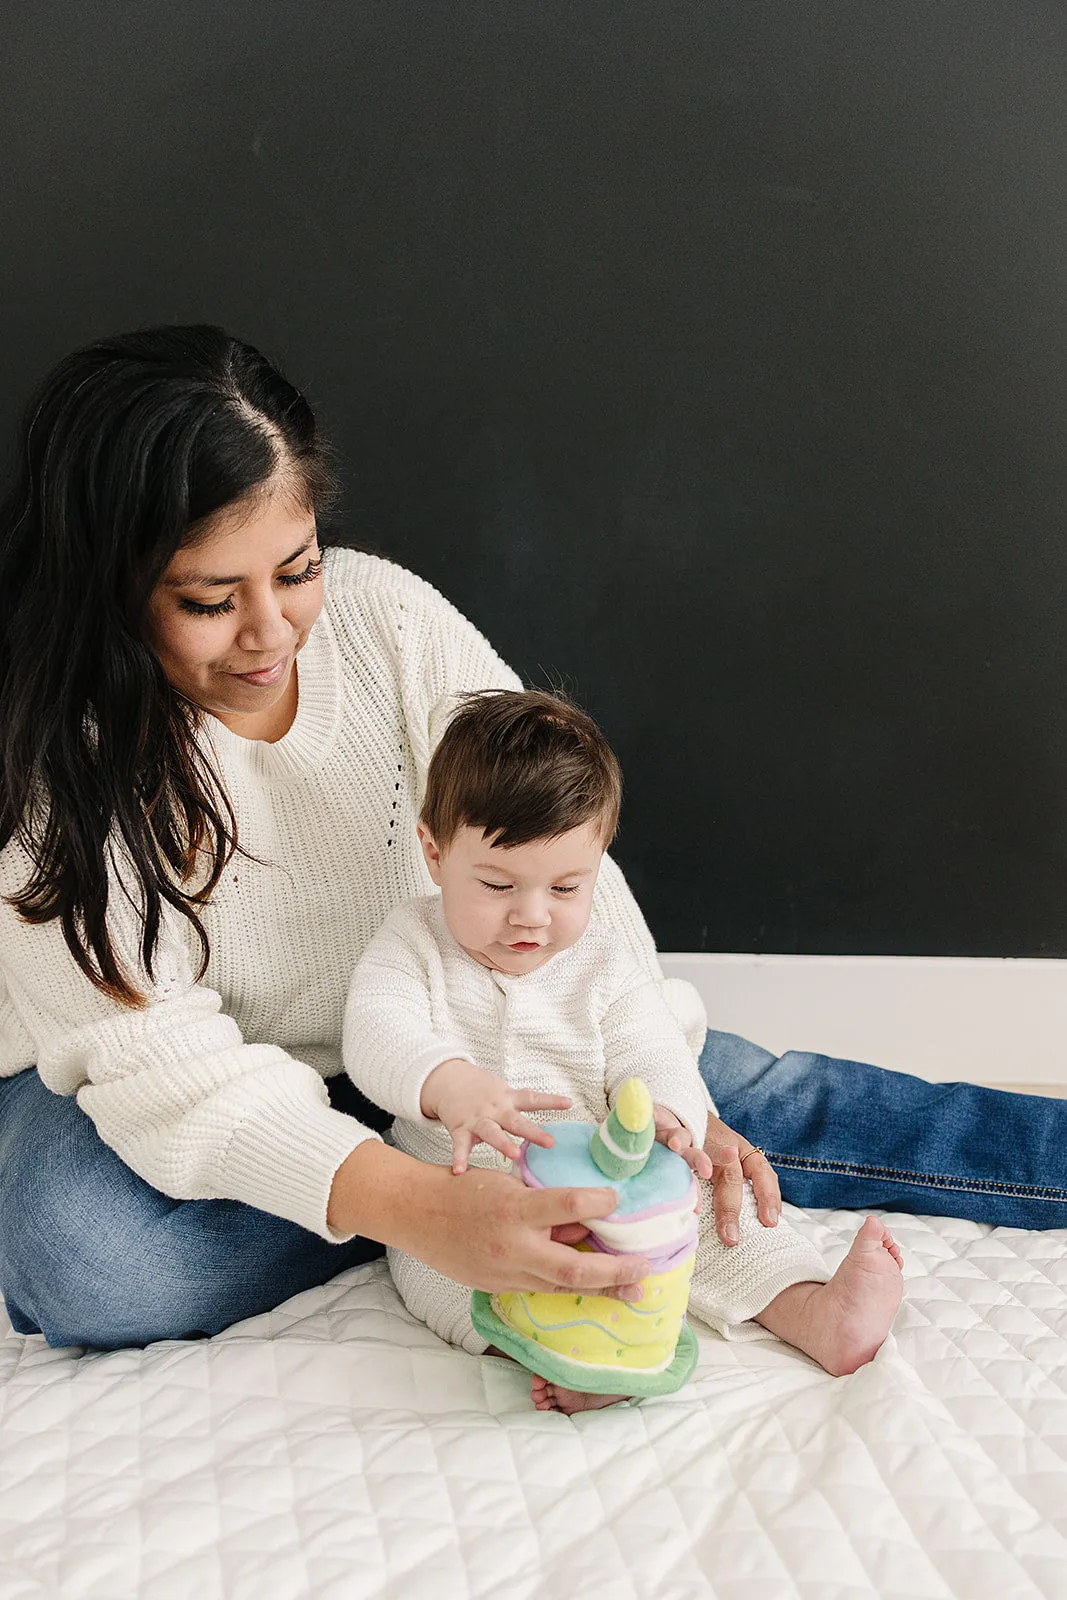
{"x":521,"y":765}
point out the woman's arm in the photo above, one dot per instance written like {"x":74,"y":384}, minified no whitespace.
{"x":482,"y":1228}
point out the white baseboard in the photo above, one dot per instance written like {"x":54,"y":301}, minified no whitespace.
{"x":986,"y":1020}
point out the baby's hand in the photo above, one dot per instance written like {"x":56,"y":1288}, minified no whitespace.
{"x":676,"y":1136}
{"x":477,"y":1107}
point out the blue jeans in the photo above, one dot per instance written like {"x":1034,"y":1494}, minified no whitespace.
{"x":91,"y":1254}
{"x":841,"y":1133}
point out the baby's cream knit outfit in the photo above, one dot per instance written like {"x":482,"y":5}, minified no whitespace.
{"x":579,"y":1025}
{"x":215,"y":1089}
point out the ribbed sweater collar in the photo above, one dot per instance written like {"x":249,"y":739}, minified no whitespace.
{"x":318,"y":715}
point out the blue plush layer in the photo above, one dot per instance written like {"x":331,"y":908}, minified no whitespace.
{"x":664,"y":1178}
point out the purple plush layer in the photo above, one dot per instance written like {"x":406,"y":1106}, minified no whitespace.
{"x":666,"y":1261}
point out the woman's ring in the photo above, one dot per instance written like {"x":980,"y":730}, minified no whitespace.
{"x":756,"y":1150}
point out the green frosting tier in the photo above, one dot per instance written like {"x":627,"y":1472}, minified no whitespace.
{"x":558,"y":1368}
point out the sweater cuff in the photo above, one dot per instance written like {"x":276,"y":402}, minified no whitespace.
{"x":406,"y":1088}
{"x":284,"y":1159}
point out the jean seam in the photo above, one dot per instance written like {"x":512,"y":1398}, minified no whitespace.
{"x":922,"y":1180}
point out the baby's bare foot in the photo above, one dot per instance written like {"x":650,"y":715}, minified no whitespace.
{"x":554,"y":1397}
{"x":843,"y":1324}
{"x":852,"y":1314}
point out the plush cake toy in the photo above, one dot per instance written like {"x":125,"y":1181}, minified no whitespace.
{"x":592,"y":1342}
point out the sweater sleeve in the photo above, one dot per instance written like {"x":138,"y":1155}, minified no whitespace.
{"x":643,"y":1039}
{"x":441,"y":656}
{"x":172,"y":1087}
{"x":390,"y":1043}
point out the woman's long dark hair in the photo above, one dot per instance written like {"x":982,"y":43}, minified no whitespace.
{"x":127,"y":449}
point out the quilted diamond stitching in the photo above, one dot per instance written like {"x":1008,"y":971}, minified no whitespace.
{"x":334,"y":1449}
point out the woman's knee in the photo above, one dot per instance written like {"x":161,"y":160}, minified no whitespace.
{"x":84,"y":1269}
{"x":73,"y":1219}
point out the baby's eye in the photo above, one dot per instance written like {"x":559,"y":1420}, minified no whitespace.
{"x":567,"y":888}
{"x":498,"y":888}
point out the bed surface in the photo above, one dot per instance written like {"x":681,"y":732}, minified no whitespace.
{"x":335,"y":1449}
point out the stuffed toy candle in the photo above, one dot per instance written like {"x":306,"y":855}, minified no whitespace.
{"x":596,"y":1343}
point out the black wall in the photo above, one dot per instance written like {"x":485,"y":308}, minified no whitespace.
{"x":712,"y":357}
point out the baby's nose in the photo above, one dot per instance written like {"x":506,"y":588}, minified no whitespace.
{"x":530,"y":916}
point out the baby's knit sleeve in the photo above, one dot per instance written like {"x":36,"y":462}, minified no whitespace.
{"x":643,"y":1039}
{"x":390,"y":1042}
{"x":172,"y":1087}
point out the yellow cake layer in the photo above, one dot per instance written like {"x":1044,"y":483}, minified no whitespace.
{"x":602,"y":1331}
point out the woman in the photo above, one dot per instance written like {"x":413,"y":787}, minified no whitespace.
{"x":212,"y":740}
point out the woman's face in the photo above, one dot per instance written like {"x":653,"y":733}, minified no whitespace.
{"x":232,"y":610}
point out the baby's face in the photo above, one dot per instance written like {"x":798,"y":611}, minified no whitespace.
{"x":514,"y":909}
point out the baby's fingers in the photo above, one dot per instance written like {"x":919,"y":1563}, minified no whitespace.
{"x":528,"y":1100}
{"x":698,"y":1160}
{"x":493,"y":1134}
{"x":523,"y":1128}
{"x":680,"y":1140}
{"x":463,"y":1142}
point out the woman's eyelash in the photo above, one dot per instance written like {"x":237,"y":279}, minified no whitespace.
{"x":198,"y":609}
{"x":312,"y":570}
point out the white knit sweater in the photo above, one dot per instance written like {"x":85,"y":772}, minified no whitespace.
{"x":215,"y":1090}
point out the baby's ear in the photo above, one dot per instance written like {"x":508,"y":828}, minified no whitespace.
{"x":431,"y":854}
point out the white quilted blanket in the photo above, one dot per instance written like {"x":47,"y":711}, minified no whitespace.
{"x":335,"y":1449}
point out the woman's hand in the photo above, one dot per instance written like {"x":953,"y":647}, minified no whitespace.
{"x":482,"y":1228}
{"x":733,"y":1159}
{"x":477,"y":1107}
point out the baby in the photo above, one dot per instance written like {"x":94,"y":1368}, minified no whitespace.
{"x":504,"y":995}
